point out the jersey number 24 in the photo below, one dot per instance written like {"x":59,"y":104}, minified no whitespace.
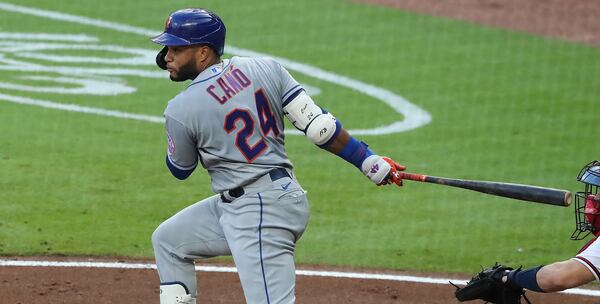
{"x":267,"y":123}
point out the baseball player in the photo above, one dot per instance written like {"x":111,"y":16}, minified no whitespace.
{"x":504,"y":285}
{"x":229,"y":120}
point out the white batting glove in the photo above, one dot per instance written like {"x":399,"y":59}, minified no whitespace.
{"x":382,"y":170}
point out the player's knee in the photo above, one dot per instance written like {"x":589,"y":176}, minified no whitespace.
{"x":174,"y":293}
{"x":158,"y":236}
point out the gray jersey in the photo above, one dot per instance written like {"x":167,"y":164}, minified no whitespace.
{"x":230,"y":118}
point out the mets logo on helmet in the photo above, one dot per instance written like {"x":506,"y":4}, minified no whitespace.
{"x":168,"y":23}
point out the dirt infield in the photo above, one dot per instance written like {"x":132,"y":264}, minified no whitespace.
{"x":573,"y":20}
{"x":33,"y":285}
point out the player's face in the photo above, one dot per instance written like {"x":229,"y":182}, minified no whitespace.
{"x":181,"y":63}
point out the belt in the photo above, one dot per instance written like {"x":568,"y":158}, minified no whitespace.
{"x":230,"y":195}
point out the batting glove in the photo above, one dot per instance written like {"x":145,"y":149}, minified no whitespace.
{"x":382,"y":170}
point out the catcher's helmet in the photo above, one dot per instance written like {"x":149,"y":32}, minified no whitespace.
{"x":587,"y":203}
{"x":193,"y":26}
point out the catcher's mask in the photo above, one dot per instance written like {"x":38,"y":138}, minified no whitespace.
{"x":587,"y":203}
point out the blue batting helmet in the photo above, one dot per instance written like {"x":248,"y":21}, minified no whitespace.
{"x":193,"y":26}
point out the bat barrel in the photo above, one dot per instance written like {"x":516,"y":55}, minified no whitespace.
{"x":551,"y":196}
{"x":529,"y":193}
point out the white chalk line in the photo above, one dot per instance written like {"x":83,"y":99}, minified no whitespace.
{"x":48,"y":36}
{"x":299,"y":272}
{"x":79,"y":109}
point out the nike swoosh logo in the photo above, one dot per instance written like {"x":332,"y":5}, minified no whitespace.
{"x":284,"y":187}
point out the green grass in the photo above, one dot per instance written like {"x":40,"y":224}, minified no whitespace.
{"x":506,"y":106}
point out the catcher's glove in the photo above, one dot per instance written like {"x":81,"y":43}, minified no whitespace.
{"x":488,"y":286}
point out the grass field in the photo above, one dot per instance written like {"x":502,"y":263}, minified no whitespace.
{"x":504,"y":106}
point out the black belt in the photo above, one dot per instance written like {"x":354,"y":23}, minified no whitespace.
{"x":275,"y":174}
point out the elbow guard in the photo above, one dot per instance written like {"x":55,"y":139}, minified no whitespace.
{"x":322,"y":129}
{"x":318,"y":125}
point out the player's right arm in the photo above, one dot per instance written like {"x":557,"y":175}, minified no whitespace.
{"x":325,"y":131}
{"x":182,"y":156}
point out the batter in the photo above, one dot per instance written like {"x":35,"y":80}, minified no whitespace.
{"x":229,"y":120}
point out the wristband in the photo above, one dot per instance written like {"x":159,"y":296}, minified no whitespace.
{"x":355,"y":152}
{"x":525,"y":279}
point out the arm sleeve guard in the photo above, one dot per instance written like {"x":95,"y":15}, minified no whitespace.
{"x":318,"y":125}
{"x":322,"y":128}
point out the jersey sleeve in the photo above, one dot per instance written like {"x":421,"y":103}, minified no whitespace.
{"x":182,"y":156}
{"x":290,"y":88}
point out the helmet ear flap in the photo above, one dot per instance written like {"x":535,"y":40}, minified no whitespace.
{"x":161,"y":62}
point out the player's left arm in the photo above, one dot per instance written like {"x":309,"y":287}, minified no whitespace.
{"x":324,"y":130}
{"x":182,"y":156}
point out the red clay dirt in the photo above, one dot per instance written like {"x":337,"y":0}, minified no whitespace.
{"x":43,"y":285}
{"x":569,"y":20}
{"x":573,"y":20}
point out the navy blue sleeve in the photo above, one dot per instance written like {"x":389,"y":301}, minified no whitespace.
{"x":177,"y":171}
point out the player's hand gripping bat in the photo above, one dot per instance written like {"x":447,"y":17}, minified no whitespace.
{"x":550,"y":196}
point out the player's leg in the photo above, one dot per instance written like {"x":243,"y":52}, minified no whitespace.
{"x":192,"y":233}
{"x":262,"y":230}
{"x":563,"y":275}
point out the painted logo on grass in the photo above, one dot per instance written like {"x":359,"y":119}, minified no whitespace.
{"x":37,"y":53}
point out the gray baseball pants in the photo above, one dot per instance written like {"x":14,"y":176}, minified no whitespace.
{"x":259,"y":229}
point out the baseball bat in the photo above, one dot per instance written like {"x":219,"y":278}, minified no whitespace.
{"x":543,"y":195}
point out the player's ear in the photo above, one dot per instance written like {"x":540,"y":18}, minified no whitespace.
{"x":204,"y":52}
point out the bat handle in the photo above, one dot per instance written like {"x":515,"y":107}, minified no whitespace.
{"x":413,"y":176}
